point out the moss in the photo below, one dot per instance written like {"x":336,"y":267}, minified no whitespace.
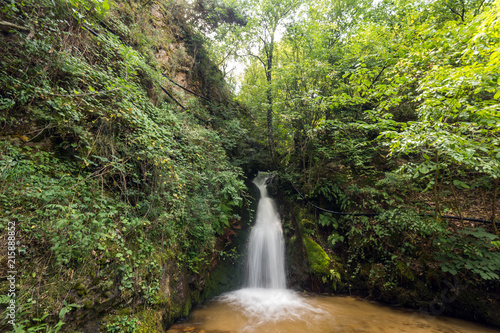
{"x":297,"y":263}
{"x":308,"y":224}
{"x":319,"y":261}
{"x":124,"y":312}
{"x":162,"y":297}
{"x":150,"y":321}
{"x":304,"y":219}
{"x":87,"y":304}
{"x":224,"y":277}
{"x":187,"y":307}
{"x":79,"y":286}
{"x":405,"y":272}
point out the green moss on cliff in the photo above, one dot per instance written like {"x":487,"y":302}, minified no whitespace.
{"x":319,"y":261}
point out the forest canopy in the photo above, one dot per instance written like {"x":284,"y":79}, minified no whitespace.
{"x":410,"y":78}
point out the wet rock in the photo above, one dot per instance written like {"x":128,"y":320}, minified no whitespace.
{"x":273,"y":185}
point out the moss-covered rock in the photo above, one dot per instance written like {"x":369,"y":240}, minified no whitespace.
{"x":225,"y":277}
{"x":150,"y":321}
{"x":319,"y":261}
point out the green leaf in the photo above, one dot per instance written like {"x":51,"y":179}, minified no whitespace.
{"x":105,"y":5}
{"x":4,"y":299}
{"x":460,"y":184}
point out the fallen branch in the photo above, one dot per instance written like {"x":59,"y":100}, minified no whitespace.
{"x":6,"y":26}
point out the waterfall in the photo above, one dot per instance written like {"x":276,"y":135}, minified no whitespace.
{"x":265,"y":298}
{"x":266,"y":248}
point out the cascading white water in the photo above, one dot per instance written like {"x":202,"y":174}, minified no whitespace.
{"x":265,"y":298}
{"x":266,"y":248}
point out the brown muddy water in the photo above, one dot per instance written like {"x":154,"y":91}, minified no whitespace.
{"x":285,"y":311}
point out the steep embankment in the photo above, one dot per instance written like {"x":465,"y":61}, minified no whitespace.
{"x":120,"y":183}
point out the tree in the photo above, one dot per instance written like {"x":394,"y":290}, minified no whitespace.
{"x":456,"y":130}
{"x":267,"y":17}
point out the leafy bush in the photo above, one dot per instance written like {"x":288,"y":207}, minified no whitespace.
{"x":471,"y":249}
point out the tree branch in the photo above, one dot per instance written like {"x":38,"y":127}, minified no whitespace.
{"x":224,"y":59}
{"x":259,"y":58}
{"x":6,"y":26}
{"x":265,"y":46}
{"x":479,"y":7}
{"x":455,"y":12}
{"x":380,"y":73}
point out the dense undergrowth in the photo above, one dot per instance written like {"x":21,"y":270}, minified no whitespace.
{"x":401,"y":252}
{"x":116,"y":192}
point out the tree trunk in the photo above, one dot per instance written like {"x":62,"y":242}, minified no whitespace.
{"x":494,"y":204}
{"x":269,"y":92}
{"x":456,"y":202}
{"x":269,"y":122}
{"x":436,"y":188}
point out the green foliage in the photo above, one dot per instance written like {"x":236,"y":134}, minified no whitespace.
{"x":82,"y":7}
{"x":457,"y":104}
{"x":329,"y":220}
{"x":367,"y":104}
{"x":25,"y":326}
{"x":394,"y":239}
{"x":470,"y":249}
{"x":102,"y":174}
{"x":173,"y":159}
{"x":334,"y":277}
{"x":392,"y":233}
{"x":122,"y":324}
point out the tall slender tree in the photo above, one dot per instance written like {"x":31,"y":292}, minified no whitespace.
{"x":268,"y":17}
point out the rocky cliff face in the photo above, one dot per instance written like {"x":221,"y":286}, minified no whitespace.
{"x":118,"y":180}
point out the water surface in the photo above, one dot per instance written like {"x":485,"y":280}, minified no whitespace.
{"x":285,"y":311}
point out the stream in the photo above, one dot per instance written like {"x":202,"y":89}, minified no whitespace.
{"x":285,"y":311}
